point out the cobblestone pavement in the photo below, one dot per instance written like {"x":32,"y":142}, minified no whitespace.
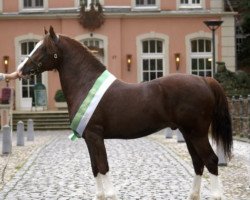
{"x":151,"y":168}
{"x":235,"y":177}
{"x":20,"y":154}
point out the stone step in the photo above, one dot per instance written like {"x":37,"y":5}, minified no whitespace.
{"x":43,"y":120}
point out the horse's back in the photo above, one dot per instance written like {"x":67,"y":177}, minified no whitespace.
{"x":144,"y":108}
{"x":186,"y":87}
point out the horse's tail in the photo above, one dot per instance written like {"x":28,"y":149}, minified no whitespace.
{"x":221,"y":120}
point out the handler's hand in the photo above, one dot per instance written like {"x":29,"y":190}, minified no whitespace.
{"x":2,"y":77}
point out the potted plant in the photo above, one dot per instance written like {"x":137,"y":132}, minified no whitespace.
{"x":60,"y":101}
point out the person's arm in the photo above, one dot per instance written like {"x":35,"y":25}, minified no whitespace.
{"x":11,"y":76}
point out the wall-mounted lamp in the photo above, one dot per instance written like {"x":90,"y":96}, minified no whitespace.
{"x":6,"y":60}
{"x":177,"y":60}
{"x":129,"y":61}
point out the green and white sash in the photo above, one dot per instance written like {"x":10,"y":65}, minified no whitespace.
{"x":90,"y":103}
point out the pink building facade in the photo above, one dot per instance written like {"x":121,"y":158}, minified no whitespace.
{"x":151,"y":34}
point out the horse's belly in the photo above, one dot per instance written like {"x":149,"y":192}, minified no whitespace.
{"x":133,"y":127}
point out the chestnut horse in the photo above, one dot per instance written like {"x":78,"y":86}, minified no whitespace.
{"x":125,"y":111}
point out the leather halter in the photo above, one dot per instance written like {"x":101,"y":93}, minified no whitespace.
{"x":38,"y":65}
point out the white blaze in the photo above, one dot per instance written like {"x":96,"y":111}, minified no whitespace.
{"x":20,"y":66}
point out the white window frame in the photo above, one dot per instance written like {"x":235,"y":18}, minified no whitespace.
{"x":201,"y":55}
{"x":38,"y":9}
{"x":191,"y":5}
{"x":100,"y":45}
{"x":103,"y":38}
{"x":145,"y":8}
{"x":194,"y":36}
{"x":152,"y":56}
{"x":165,"y":54}
{"x":1,"y":6}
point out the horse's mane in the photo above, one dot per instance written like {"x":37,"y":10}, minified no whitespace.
{"x":86,"y":55}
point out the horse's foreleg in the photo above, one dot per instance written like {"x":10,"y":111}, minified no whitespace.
{"x":98,"y":179}
{"x":100,"y":163}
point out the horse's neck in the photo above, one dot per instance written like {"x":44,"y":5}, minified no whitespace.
{"x":77,"y":78}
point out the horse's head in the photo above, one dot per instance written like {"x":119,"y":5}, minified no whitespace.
{"x":44,"y":57}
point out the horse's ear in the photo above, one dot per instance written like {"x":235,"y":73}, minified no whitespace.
{"x":52,"y":34}
{"x":45,"y":31}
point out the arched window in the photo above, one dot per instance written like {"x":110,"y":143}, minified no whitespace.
{"x":201,"y":57}
{"x":152,"y":59}
{"x":96,"y":46}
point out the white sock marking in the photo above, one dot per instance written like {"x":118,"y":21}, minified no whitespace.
{"x":108,"y":186}
{"x":99,"y":186}
{"x":196,"y":184}
{"x":215,"y":186}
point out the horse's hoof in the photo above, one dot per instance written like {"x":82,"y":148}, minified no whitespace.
{"x":216,"y":197}
{"x":194,"y":196}
{"x":111,"y":197}
{"x":100,"y":196}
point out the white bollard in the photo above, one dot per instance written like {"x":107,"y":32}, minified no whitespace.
{"x":179,"y":136}
{"x":221,"y":155}
{"x":7,"y":140}
{"x":168,"y":133}
{"x":20,"y":134}
{"x":30,"y":131}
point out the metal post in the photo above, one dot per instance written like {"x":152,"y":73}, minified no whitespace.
{"x":7,"y":140}
{"x":20,"y":134}
{"x":213,"y":41}
{"x":30,"y":130}
{"x":213,"y":25}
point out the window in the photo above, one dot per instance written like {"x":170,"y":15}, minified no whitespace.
{"x":146,"y":4}
{"x":28,"y":84}
{"x":190,"y":3}
{"x":88,"y":2}
{"x":152,"y":59}
{"x":240,"y":38}
{"x":96,"y":46}
{"x":201,"y":57}
{"x":27,"y":4}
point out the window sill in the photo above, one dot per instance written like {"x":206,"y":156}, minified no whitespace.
{"x":184,"y":7}
{"x":32,"y":10}
{"x":145,"y":8}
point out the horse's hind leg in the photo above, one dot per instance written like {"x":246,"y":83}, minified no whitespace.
{"x":198,"y":168}
{"x":206,"y":153}
{"x":100,"y":168}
